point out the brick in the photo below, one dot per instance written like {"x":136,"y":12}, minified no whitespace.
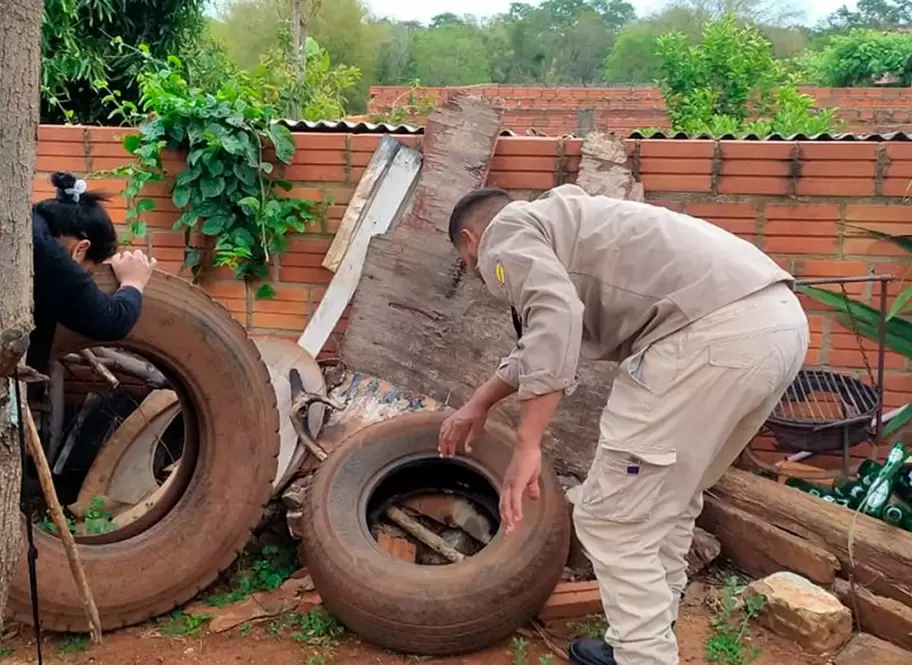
{"x":838,"y":169}
{"x":835,"y":187}
{"x":808,"y":211}
{"x":523,"y":163}
{"x":712,"y":209}
{"x":527,"y":147}
{"x":753,"y":185}
{"x":752,"y":167}
{"x":696,"y":149}
{"x":315,"y":173}
{"x":320,"y":157}
{"x":900,"y":187}
{"x":854,"y":151}
{"x":669,"y":204}
{"x":899,"y":151}
{"x":399,"y":548}
{"x":799,"y":245}
{"x":879,"y":213}
{"x":757,"y":150}
{"x":314,"y":141}
{"x":829,"y":268}
{"x":61,"y":149}
{"x":295,"y":322}
{"x":309,"y":245}
{"x":274,"y":306}
{"x":861,"y":246}
{"x":67,"y":133}
{"x":572,"y":600}
{"x":305,"y":275}
{"x":676,"y":166}
{"x":234,"y":290}
{"x":854,"y":359}
{"x":698,"y":184}
{"x":801,"y":227}
{"x":521,"y":180}
{"x":49,"y":163}
{"x":742,"y":227}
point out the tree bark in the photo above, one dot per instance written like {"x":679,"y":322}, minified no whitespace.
{"x":20,"y":53}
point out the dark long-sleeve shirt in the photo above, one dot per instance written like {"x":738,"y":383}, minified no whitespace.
{"x":65,"y":294}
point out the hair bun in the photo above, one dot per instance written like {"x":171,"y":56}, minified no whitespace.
{"x":63,"y":180}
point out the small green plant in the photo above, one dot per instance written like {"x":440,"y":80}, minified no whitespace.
{"x":98,"y":517}
{"x":47,"y":524}
{"x":593,"y":626}
{"x":73,"y":644}
{"x":246,"y":628}
{"x":316,"y":628}
{"x":6,"y":652}
{"x":731,"y":626}
{"x":228,"y":190}
{"x":181,"y":624}
{"x":265,"y":572}
{"x":316,"y":660}
{"x":519,"y":652}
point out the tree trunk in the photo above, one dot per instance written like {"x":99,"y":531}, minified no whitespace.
{"x":298,"y":37}
{"x":20,"y":53}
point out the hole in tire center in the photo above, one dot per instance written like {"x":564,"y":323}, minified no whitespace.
{"x":121,"y":456}
{"x":448,"y":498}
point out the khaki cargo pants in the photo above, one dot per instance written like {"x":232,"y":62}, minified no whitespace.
{"x":678,"y":416}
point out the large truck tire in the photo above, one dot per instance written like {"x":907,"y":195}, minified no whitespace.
{"x":231,"y":443}
{"x":434,"y":609}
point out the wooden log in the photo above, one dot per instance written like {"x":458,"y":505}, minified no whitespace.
{"x":760,"y":549}
{"x":885,"y":618}
{"x":100,"y":368}
{"x":866,"y":649}
{"x":881,"y":556}
{"x":426,"y":536}
{"x":133,"y":365}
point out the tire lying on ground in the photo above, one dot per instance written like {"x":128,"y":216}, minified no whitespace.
{"x":429,"y":610}
{"x":231,"y":442}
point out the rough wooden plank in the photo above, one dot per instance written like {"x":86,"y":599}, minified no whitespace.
{"x":885,"y":618}
{"x":760,"y":549}
{"x":882,"y":554}
{"x":420,"y":322}
{"x":364,"y":192}
{"x":868,"y":650}
{"x":386,"y":206}
{"x":460,"y":137}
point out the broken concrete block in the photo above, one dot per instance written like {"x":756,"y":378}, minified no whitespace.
{"x":866,"y":649}
{"x":803,"y":612}
{"x":705,"y":549}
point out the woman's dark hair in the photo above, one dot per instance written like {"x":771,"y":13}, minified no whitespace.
{"x":79,"y":215}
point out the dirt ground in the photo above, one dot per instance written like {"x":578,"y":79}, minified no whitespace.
{"x":144,"y":645}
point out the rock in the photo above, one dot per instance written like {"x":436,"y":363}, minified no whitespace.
{"x":293,"y":496}
{"x":289,"y":596}
{"x":803,"y":612}
{"x":885,"y":618}
{"x":703,"y":551}
{"x":234,"y":615}
{"x":695,"y":594}
{"x":866,"y":649}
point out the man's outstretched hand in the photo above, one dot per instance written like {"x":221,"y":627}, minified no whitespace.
{"x":462,"y":428}
{"x":522,"y":476}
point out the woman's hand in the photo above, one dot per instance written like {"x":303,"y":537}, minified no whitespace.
{"x":133,"y":269}
{"x":462,"y":428}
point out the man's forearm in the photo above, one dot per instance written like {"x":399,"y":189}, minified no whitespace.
{"x":491,"y":392}
{"x":534,"y":416}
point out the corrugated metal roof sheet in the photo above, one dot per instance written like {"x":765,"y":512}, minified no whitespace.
{"x":680,"y":136}
{"x":361,"y":127}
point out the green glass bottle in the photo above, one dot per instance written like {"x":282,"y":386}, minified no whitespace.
{"x":850,"y":492}
{"x":881,"y":488}
{"x":898,"y":515}
{"x":903,"y":485}
{"x":806,"y":487}
{"x":868,"y":471}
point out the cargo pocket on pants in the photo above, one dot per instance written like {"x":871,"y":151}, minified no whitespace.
{"x":624,"y":487}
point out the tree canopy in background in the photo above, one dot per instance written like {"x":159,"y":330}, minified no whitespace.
{"x":552,"y":42}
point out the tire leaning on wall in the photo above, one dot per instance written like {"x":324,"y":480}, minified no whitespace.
{"x":196,"y":533}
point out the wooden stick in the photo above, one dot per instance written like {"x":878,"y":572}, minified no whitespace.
{"x":429,"y":538}
{"x":134,"y":365}
{"x":69,"y":543}
{"x":99,"y":367}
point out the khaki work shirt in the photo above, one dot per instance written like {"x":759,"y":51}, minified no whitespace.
{"x":604,"y":278}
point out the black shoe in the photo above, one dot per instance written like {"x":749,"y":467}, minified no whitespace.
{"x":588,"y":651}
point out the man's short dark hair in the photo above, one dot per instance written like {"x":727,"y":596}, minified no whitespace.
{"x":464,"y":207}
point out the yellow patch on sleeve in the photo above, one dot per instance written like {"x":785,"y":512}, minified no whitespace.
{"x":499,"y":273}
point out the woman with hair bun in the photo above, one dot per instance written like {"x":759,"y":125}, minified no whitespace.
{"x":72,"y":234}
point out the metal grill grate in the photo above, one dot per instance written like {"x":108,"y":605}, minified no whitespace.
{"x":821,"y":409}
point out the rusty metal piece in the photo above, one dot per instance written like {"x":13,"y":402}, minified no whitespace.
{"x":301,"y":403}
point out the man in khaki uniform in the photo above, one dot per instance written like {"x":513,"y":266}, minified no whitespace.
{"x":708,"y":334}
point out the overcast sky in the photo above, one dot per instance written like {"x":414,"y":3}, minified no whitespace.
{"x":423,"y":10}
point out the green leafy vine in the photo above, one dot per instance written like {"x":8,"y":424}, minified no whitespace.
{"x":229,"y":190}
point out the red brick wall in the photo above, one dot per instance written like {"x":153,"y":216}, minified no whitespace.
{"x":796,"y":200}
{"x":558,"y":111}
